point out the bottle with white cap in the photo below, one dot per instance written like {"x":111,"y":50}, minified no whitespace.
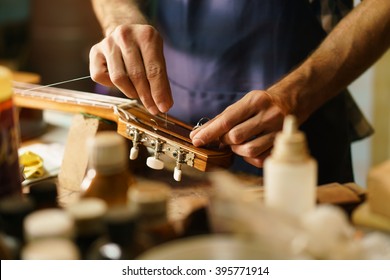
{"x":50,"y":249}
{"x":108,"y":176}
{"x":49,"y":235}
{"x":149,"y":199}
{"x":49,"y":223}
{"x":88,"y":214}
{"x":290,"y":173}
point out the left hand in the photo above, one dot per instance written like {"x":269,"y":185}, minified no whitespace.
{"x":248,"y":126}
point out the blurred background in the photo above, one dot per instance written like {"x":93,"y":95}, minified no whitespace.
{"x":53,"y":38}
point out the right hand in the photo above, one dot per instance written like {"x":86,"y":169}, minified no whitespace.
{"x":131,"y":58}
{"x":249,"y":126}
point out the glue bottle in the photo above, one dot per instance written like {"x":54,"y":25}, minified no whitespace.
{"x":88,"y":215}
{"x":149,"y":200}
{"x":108,"y":176}
{"x":10,"y":175}
{"x":290,"y":173}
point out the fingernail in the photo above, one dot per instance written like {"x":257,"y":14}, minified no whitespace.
{"x":197,"y":142}
{"x":163,"y":107}
{"x":192,"y":134}
{"x":153,"y":110}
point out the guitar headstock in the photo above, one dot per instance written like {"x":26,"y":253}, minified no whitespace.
{"x":166,"y":135}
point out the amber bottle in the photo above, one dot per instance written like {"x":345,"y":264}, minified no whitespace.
{"x":10,"y":177}
{"x":150,"y":201}
{"x":88,"y":215}
{"x":108,"y":175}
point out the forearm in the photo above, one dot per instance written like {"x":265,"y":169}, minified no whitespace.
{"x":352,"y":47}
{"x":113,"y":13}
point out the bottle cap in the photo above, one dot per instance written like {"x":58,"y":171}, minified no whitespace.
{"x":5,"y":83}
{"x":88,"y":214}
{"x":107,"y":152}
{"x":48,"y":223}
{"x":149,"y":197}
{"x":290,"y":144}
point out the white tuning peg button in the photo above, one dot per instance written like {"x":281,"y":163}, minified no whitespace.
{"x":134,"y":153}
{"x":177,"y":174}
{"x":154,"y":163}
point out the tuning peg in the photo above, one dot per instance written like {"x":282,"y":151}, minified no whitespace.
{"x":177,"y":173}
{"x":180,"y":158}
{"x":154,"y":163}
{"x":136,"y":135}
{"x":134,"y":152}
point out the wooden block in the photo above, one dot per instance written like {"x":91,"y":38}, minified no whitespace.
{"x":378,"y":188}
{"x":75,"y":160}
{"x":364,"y":217}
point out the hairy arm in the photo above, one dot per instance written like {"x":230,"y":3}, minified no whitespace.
{"x":250,"y":125}
{"x":352,"y":47}
{"x":113,"y":13}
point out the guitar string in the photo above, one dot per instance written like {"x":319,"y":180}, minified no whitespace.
{"x":84,"y":78}
{"x":59,"y":83}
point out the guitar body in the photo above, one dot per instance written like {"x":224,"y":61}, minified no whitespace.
{"x":163,"y":134}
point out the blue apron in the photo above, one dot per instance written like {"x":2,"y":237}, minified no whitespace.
{"x":219,"y":50}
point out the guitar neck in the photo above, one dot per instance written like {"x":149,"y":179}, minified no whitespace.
{"x":162,"y":133}
{"x":58,"y":99}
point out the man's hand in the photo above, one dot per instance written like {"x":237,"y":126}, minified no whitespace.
{"x":131,"y":58}
{"x":249,"y":127}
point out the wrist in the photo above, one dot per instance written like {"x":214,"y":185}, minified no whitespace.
{"x":296,"y":94}
{"x":110,"y":24}
{"x":112,"y":14}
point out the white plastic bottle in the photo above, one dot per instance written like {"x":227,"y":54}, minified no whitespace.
{"x":290,"y":173}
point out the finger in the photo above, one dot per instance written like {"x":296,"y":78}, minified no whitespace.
{"x":255,"y":147}
{"x":220,"y":125}
{"x":198,"y":127}
{"x":98,"y":67}
{"x":136,"y":72}
{"x":269,"y":120}
{"x":244,"y":131}
{"x":258,"y":161}
{"x":116,"y":68}
{"x":200,"y":133}
{"x":154,"y":62}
